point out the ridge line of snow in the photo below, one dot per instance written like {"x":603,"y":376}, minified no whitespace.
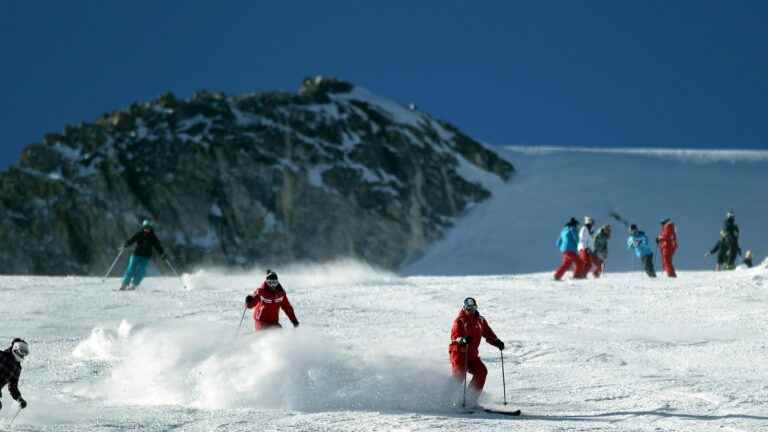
{"x":699,"y":155}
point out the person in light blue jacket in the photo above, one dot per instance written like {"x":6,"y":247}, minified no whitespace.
{"x":639,"y":242}
{"x":568,"y":243}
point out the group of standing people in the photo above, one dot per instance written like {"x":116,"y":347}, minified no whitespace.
{"x":666,"y":243}
{"x":727,"y":247}
{"x":586,"y":249}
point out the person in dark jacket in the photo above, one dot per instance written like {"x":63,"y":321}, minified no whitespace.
{"x":10,"y":369}
{"x":145,"y":241}
{"x":722,"y":251}
{"x":601,"y":249}
{"x":730,"y":236}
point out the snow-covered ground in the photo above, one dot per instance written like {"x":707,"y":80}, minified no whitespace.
{"x":515,"y":231}
{"x":620,"y":353}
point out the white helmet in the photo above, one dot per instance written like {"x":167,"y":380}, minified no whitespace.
{"x":20,"y":349}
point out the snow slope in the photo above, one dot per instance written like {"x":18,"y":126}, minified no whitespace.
{"x":515,"y":231}
{"x":620,"y":353}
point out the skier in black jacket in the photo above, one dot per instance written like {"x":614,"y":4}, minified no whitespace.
{"x":10,"y":369}
{"x":730,"y":237}
{"x":722,"y":254}
{"x":145,"y":240}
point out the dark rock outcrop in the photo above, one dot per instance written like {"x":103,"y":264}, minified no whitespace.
{"x":270,"y":177}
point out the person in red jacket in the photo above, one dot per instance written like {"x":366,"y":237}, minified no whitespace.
{"x":466,"y":331}
{"x":267,"y":301}
{"x":667,"y":241}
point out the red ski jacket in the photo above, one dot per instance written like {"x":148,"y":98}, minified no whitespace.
{"x":471,"y":325}
{"x":668,"y":238}
{"x":267,"y":303}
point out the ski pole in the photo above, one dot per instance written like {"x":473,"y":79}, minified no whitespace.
{"x":466,"y":361}
{"x":503,"y":378}
{"x":119,"y":254}
{"x":242,"y":318}
{"x":167,"y":261}
{"x":10,"y":423}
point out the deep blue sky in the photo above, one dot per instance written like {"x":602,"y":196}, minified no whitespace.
{"x":571,"y":73}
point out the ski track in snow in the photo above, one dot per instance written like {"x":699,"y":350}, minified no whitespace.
{"x":620,"y":353}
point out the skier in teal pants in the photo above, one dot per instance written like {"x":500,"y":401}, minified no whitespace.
{"x":145,"y":241}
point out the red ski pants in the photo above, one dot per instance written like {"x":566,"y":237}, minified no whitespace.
{"x":263,"y":325}
{"x":586,"y":262}
{"x":476,"y":368}
{"x":666,"y":262}
{"x":569,"y":258}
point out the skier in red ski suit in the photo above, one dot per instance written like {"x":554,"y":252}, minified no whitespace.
{"x":667,"y":241}
{"x":466,"y":331}
{"x":267,"y":301}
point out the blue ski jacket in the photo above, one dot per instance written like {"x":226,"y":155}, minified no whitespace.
{"x":639,"y":242}
{"x":569,"y":239}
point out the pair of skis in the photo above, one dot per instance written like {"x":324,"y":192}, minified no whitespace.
{"x":515,"y":413}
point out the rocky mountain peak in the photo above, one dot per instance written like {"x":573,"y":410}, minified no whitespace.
{"x":333,"y":170}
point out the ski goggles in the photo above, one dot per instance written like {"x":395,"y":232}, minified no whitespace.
{"x":272,"y":283}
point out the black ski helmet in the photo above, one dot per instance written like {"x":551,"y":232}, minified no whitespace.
{"x":271,"y":275}
{"x":19,"y":349}
{"x":632,"y":228}
{"x":470,"y":304}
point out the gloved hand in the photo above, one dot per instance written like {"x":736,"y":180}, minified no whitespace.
{"x":22,"y":403}
{"x":463,"y":340}
{"x":657,"y":240}
{"x":498,"y":343}
{"x":248,"y":301}
{"x":295,"y":324}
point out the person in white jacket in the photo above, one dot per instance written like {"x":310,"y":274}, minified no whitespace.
{"x":586,"y":246}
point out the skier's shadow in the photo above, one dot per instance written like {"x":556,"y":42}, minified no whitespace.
{"x":661,"y":412}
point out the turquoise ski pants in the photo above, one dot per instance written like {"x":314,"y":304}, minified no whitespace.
{"x":137,"y":268}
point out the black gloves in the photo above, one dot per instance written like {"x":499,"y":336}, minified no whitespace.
{"x":498,"y":344}
{"x":248,"y":301}
{"x":295,"y":324}
{"x":22,"y":403}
